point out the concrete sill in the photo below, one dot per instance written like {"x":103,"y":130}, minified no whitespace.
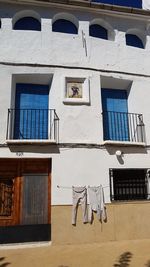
{"x":30,"y":142}
{"x":123,"y":143}
{"x":75,"y":101}
{"x":130,"y":202}
{"x":25,"y":245}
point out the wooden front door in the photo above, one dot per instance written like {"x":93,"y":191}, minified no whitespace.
{"x":24,"y":199}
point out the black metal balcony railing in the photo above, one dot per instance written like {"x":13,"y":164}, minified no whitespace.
{"x":122,"y":126}
{"x":32,"y":124}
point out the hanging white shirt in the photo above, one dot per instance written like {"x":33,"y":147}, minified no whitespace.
{"x":97,"y":203}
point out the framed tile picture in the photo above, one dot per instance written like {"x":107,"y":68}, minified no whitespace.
{"x":76,"y":90}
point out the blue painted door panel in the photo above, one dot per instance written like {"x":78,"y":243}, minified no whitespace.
{"x":31,"y":111}
{"x":115,"y":114}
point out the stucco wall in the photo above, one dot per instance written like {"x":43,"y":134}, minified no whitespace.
{"x":56,"y":56}
{"x":49,"y":47}
{"x":126,"y":221}
{"x":78,"y":122}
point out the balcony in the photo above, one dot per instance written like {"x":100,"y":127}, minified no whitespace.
{"x":26,"y":126}
{"x":123,"y":127}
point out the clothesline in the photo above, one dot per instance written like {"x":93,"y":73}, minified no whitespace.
{"x":70,"y":187}
{"x":96,"y":202}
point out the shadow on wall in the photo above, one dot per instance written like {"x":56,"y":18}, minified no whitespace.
{"x":3,"y":264}
{"x":123,"y":150}
{"x":126,"y":149}
{"x":124,"y":260}
{"x":45,"y":149}
{"x":147,"y":264}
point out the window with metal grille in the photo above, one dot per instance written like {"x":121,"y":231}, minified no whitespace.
{"x":128,"y":184}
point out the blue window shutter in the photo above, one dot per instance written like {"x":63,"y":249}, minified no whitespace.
{"x":65,"y":26}
{"x":31,"y":111}
{"x":27,"y":23}
{"x":98,"y":31}
{"x":115,"y":114}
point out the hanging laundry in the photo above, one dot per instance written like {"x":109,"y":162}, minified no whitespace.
{"x":97,"y":203}
{"x":79,"y":196}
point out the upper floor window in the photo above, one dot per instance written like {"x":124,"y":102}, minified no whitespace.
{"x":134,"y":40}
{"x":118,"y":123}
{"x":27,"y":23}
{"x":31,"y":111}
{"x":98,"y":31}
{"x":65,"y":26}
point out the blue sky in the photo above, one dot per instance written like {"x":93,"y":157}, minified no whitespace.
{"x":129,"y":3}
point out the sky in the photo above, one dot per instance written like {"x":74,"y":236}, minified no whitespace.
{"x":129,"y":3}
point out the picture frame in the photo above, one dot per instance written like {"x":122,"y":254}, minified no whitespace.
{"x":76,"y":90}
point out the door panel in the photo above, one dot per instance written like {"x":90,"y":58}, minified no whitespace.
{"x":34,"y":199}
{"x":24,"y":191}
{"x":9,"y":200}
{"x":31,"y":111}
{"x":115,"y":114}
{"x":25,"y":200}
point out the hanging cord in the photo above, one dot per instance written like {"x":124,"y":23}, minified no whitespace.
{"x":70,"y":187}
{"x":64,"y":187}
{"x":84,"y":42}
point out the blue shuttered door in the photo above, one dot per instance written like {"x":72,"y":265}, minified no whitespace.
{"x":31,"y":111}
{"x":115,"y":115}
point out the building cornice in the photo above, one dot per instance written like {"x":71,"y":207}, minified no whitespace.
{"x":84,"y":4}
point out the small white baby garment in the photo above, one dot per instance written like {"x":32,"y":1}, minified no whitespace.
{"x":97,"y":203}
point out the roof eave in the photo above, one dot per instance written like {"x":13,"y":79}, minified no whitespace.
{"x":84,"y":4}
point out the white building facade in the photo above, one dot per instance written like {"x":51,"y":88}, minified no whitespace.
{"x":75,"y":111}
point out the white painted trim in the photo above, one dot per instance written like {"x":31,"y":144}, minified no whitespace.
{"x":30,"y":142}
{"x":25,"y":245}
{"x":86,"y":91}
{"x":123,"y":143}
